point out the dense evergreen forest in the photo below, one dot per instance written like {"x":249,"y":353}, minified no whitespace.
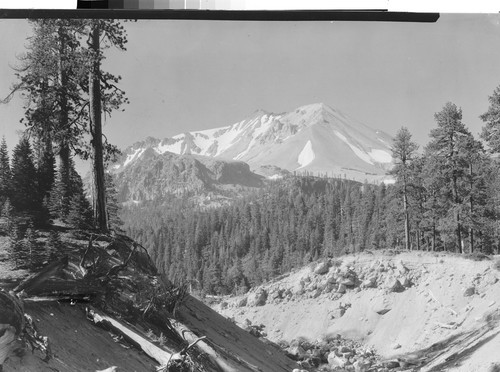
{"x":444,"y":198}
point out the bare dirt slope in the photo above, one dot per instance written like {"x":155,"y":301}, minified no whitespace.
{"x":77,"y":345}
{"x":116,"y":287}
{"x":399,"y":304}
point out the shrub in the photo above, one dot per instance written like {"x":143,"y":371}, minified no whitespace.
{"x":477,"y":256}
{"x":496,"y":266}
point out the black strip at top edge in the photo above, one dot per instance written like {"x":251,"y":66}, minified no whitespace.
{"x":229,"y":15}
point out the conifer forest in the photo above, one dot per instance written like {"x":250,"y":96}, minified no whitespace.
{"x":445,"y":198}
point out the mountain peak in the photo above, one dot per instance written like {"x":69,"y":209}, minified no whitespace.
{"x":316,"y":107}
{"x":259,"y":112}
{"x":313,"y":137}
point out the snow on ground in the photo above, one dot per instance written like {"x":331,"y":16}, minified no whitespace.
{"x":447,"y":296}
{"x":306,"y":156}
{"x":359,"y":153}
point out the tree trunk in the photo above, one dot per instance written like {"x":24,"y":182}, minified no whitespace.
{"x":471,"y":210}
{"x":434,"y":236}
{"x":407,"y":218}
{"x":99,"y":196}
{"x":457,"y":215}
{"x":64,"y":151}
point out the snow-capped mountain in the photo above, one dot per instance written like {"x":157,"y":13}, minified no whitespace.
{"x":315,"y":138}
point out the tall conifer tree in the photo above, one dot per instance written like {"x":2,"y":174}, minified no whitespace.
{"x":5,"y":173}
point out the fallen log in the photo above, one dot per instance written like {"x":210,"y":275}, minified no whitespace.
{"x":129,"y":335}
{"x":67,"y":288}
{"x":35,"y":281}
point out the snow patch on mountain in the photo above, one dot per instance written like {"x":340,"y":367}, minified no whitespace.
{"x":380,"y":156}
{"x":131,"y":157}
{"x":306,"y":156}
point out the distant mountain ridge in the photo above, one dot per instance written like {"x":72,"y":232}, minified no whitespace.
{"x":155,"y":177}
{"x":315,"y":138}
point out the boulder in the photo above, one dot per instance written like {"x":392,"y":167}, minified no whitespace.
{"x":316,"y":293}
{"x":391,"y":364}
{"x":338,"y":313}
{"x":402,"y":268}
{"x":241,"y":302}
{"x":381,"y":306}
{"x":336,"y":361}
{"x":258,"y":298}
{"x":297,"y":351}
{"x":406,"y":281}
{"x":395,"y":286}
{"x":361,"y":366}
{"x":341,"y":288}
{"x":322,"y":268}
{"x":469,"y":291}
{"x":369,"y":283}
{"x":332,"y":278}
{"x":348,"y":281}
{"x":345,"y":349}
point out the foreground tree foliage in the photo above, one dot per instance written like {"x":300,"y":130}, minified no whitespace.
{"x":66,"y":93}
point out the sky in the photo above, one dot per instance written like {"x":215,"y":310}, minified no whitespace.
{"x":191,"y":75}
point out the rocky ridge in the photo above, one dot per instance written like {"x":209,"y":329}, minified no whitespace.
{"x":156,"y":177}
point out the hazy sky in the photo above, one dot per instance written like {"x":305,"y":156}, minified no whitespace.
{"x":192,"y":75}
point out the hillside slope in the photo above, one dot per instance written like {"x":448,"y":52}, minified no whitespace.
{"x":105,"y":305}
{"x":441,"y":311}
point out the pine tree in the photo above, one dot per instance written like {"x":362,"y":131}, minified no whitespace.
{"x":54,"y":245}
{"x":25,"y":197}
{"x":34,"y":257}
{"x":16,"y":245}
{"x":491,"y":131}
{"x":7,"y":214}
{"x":80,"y":213}
{"x":445,"y":152}
{"x":403,"y":153}
{"x":5,"y":173}
{"x":100,"y":82}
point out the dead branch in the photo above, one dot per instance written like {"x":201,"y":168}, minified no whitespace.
{"x":117,"y":268}
{"x":83,"y":270}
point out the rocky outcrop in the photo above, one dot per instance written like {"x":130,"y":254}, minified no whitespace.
{"x":333,"y":279}
{"x":335,"y":354}
{"x":154,"y":177}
